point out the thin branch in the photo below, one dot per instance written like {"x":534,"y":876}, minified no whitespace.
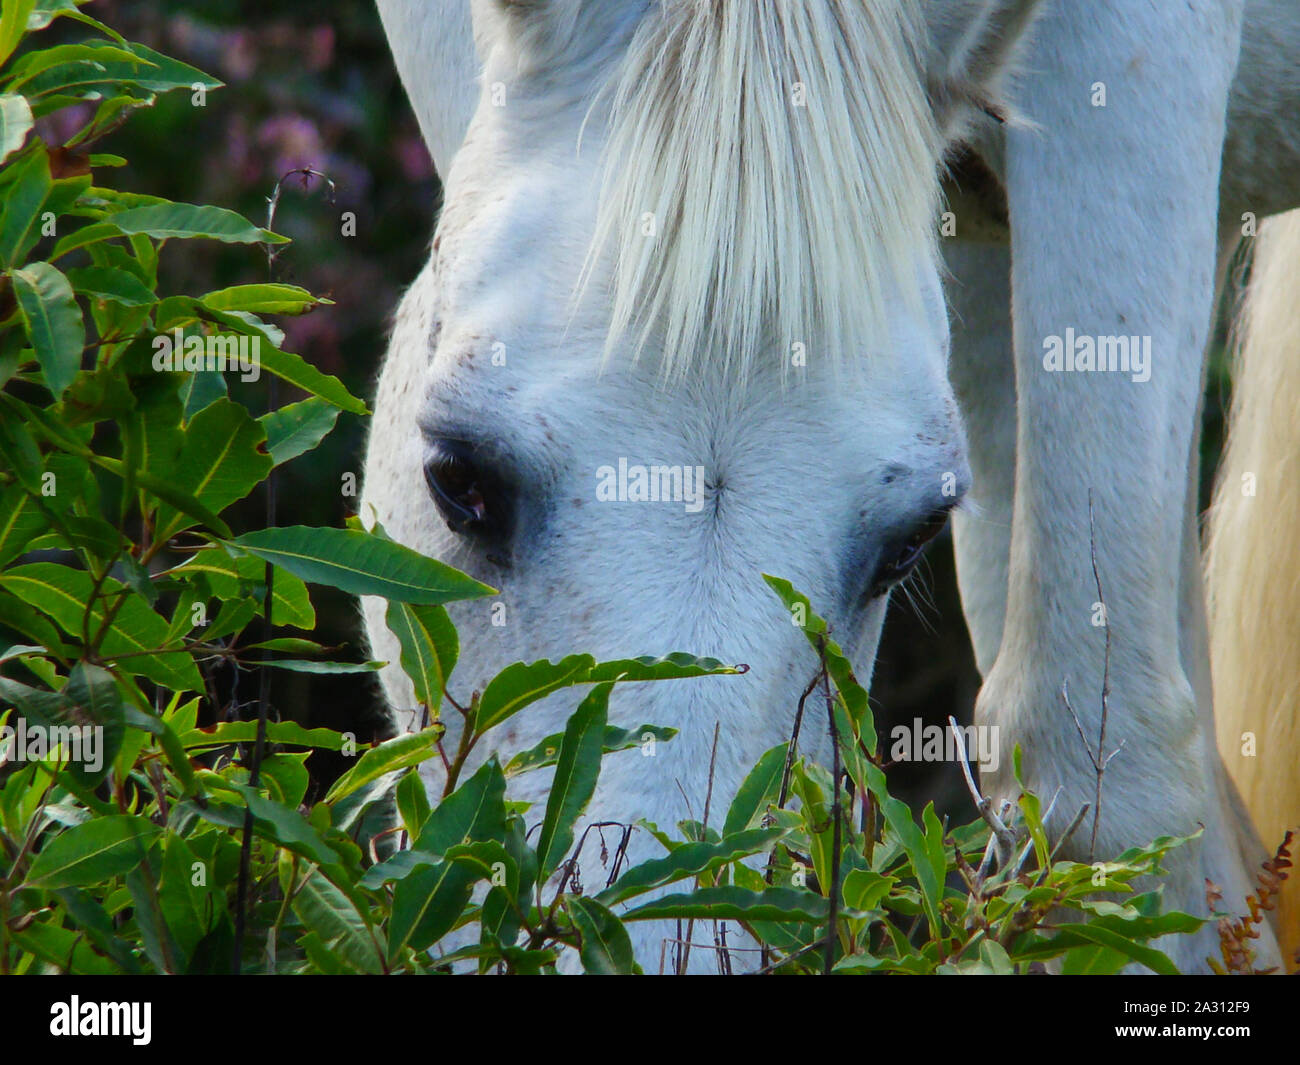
{"x":1003,"y":842}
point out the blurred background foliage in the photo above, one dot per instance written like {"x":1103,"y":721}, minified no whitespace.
{"x":312,"y":85}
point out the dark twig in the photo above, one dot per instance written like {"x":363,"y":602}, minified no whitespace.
{"x":790,"y":751}
{"x":684,"y":953}
{"x":268,"y":606}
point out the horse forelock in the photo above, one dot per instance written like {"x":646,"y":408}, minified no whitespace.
{"x":769,"y":180}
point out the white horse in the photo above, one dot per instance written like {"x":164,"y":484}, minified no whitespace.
{"x":705,"y":235}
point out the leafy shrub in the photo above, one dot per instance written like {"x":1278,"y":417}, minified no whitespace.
{"x":142,"y":834}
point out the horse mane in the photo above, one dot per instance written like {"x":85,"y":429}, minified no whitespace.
{"x":784,"y":154}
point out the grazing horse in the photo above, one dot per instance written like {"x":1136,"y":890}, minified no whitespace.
{"x":702,"y":240}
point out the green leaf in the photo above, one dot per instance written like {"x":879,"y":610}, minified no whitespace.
{"x":397,"y":753}
{"x":27,"y":186}
{"x":187,"y":908}
{"x":547,"y":750}
{"x":865,"y":890}
{"x":234,"y":578}
{"x":412,"y":802}
{"x":341,"y":927}
{"x":262,"y":299}
{"x":576,"y":771}
{"x":112,"y":284}
{"x":606,"y":948}
{"x":272,"y":821}
{"x":221,"y":461}
{"x":64,"y":594}
{"x":675,"y":666}
{"x":297,"y":428}
{"x":1074,"y":935}
{"x":361,"y":564}
{"x":429,"y":649}
{"x":300,"y":665}
{"x":522,"y":684}
{"x":735,"y":904}
{"x":94,"y":694}
{"x":688,"y":860}
{"x":15,"y":123}
{"x":429,"y":901}
{"x":25,"y":619}
{"x":13,"y":25}
{"x":53,"y":321}
{"x":93,"y":852}
{"x":298,"y":372}
{"x":815,"y":629}
{"x":165,"y":221}
{"x":21,"y":521}
{"x":760,"y":788}
{"x":289,"y":732}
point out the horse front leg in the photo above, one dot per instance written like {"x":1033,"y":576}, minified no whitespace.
{"x":1113,"y":206}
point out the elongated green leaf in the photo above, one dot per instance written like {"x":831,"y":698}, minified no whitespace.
{"x":412,"y":802}
{"x":262,"y":299}
{"x":1074,"y":935}
{"x":430,"y":900}
{"x":25,"y":619}
{"x":21,"y":520}
{"x":759,"y":788}
{"x":361,"y":564}
{"x":221,"y":461}
{"x":521,"y":684}
{"x":546,"y":751}
{"x":606,"y":948}
{"x":93,"y":852}
{"x":397,"y":753}
{"x":13,"y":24}
{"x":111,"y":284}
{"x":187,"y":908}
{"x":234,"y":578}
{"x":275,"y":822}
{"x":186,"y":220}
{"x":298,"y":372}
{"x":53,"y":322}
{"x":576,"y":771}
{"x":305,"y":665}
{"x":688,"y":860}
{"x":94,"y":693}
{"x":429,"y":649}
{"x":837,"y":664}
{"x":296,"y":428}
{"x":735,"y":904}
{"x":15,"y":123}
{"x":342,"y":928}
{"x":676,"y":666}
{"x":289,"y":732}
{"x":64,"y":594}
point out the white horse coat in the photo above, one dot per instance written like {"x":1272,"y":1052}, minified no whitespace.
{"x":1113,"y":176}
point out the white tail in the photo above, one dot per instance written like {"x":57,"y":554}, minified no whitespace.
{"x":1253,"y":557}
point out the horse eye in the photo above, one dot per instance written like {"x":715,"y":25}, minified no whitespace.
{"x":470,"y":497}
{"x":906,"y":555}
